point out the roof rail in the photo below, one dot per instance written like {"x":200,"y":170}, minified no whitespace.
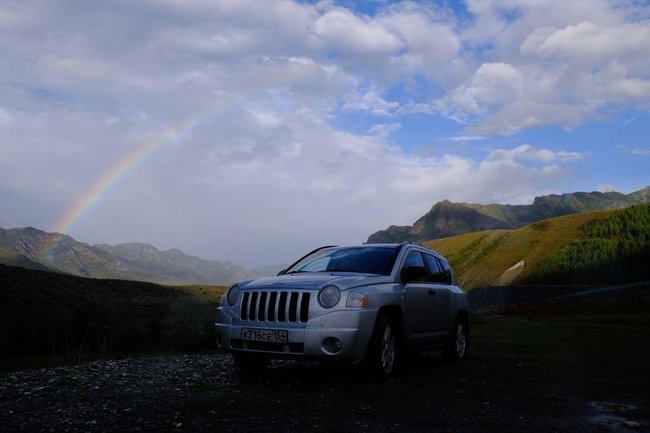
{"x":416,"y":243}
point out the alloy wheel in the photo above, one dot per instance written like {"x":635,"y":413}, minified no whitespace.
{"x":461,"y":341}
{"x":387,"y":350}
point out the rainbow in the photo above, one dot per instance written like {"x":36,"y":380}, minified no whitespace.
{"x":145,"y":153}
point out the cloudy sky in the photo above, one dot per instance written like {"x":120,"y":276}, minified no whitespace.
{"x":254,"y":130}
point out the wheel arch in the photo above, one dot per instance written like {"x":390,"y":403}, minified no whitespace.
{"x":394,"y":312}
{"x":464,"y":317}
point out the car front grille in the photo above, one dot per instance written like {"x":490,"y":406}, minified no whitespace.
{"x":275,"y":306}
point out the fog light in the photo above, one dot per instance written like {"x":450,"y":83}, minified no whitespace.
{"x":331,"y":345}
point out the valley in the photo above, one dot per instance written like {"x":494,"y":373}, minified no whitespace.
{"x":549,"y":352}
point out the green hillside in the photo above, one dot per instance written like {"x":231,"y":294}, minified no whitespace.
{"x":451,"y":219}
{"x":587,"y":248}
{"x":55,"y":315}
{"x":612,"y":250}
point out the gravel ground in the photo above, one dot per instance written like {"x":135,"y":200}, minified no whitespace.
{"x":500,"y":388}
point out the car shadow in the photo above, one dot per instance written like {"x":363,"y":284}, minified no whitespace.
{"x":318,"y":373}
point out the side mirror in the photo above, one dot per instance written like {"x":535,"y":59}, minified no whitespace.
{"x":413,"y":274}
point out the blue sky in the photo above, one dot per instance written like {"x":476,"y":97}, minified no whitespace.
{"x":282,"y":125}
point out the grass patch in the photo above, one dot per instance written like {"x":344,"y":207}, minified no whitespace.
{"x":465,"y":254}
{"x":488,"y":249}
{"x":50,"y":318}
{"x":541,"y":226}
{"x":576,"y":349}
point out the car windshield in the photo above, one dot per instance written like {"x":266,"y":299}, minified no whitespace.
{"x":365,"y":260}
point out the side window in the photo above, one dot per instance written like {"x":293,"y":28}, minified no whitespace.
{"x":414,"y":269}
{"x":446,"y":272}
{"x":435,"y":272}
{"x":414,"y":259}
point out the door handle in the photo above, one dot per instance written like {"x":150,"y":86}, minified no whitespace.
{"x":431,"y":292}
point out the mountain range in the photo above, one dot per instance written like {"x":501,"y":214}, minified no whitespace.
{"x":447,"y":219}
{"x":35,"y":249}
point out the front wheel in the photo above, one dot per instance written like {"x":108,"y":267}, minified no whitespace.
{"x":458,"y":342}
{"x":383,"y":349}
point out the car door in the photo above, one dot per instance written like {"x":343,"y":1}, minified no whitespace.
{"x":440,"y":280}
{"x":421,"y":301}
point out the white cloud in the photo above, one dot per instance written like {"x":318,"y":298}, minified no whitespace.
{"x":74,"y":68}
{"x":567,"y":64}
{"x":588,"y":43}
{"x":528,"y":152}
{"x":384,"y":129}
{"x":640,"y":151}
{"x":352,"y":35}
{"x":429,"y":37}
{"x":524,"y":114}
{"x":464,"y":138}
{"x":284,"y":180}
{"x":246,"y":98}
{"x":373,"y":102}
{"x":5,"y":118}
{"x":607,"y":188}
{"x":636,"y":151}
{"x":492,"y":83}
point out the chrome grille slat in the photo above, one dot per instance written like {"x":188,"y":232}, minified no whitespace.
{"x":293,"y":306}
{"x":282,"y":310}
{"x":279,"y":306}
{"x":253,"y":303}
{"x":273,"y":306}
{"x":261,"y":306}
{"x":286,"y":307}
{"x":304,"y":306}
{"x":244,"y":306}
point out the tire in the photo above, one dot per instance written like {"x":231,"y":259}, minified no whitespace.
{"x":456,"y":350}
{"x":383,"y":353}
{"x":249,"y":363}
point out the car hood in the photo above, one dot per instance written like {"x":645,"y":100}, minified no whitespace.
{"x":315,"y":280}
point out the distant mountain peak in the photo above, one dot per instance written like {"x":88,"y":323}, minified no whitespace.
{"x":447,"y":218}
{"x":131,"y":261}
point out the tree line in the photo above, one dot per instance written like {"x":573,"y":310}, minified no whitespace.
{"x":613,"y":250}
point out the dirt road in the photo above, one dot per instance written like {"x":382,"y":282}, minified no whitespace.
{"x":522,"y":376}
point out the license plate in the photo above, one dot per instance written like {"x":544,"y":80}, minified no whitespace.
{"x":268,"y":335}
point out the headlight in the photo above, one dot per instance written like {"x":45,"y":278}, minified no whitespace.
{"x":357,"y":300}
{"x":329,"y":296}
{"x":233,"y":295}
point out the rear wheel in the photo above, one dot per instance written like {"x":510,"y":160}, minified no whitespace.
{"x":458,"y":341}
{"x":383,"y":350}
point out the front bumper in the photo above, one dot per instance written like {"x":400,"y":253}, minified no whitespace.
{"x":341,"y":335}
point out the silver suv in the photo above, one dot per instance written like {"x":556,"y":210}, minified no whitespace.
{"x":358,"y":304}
